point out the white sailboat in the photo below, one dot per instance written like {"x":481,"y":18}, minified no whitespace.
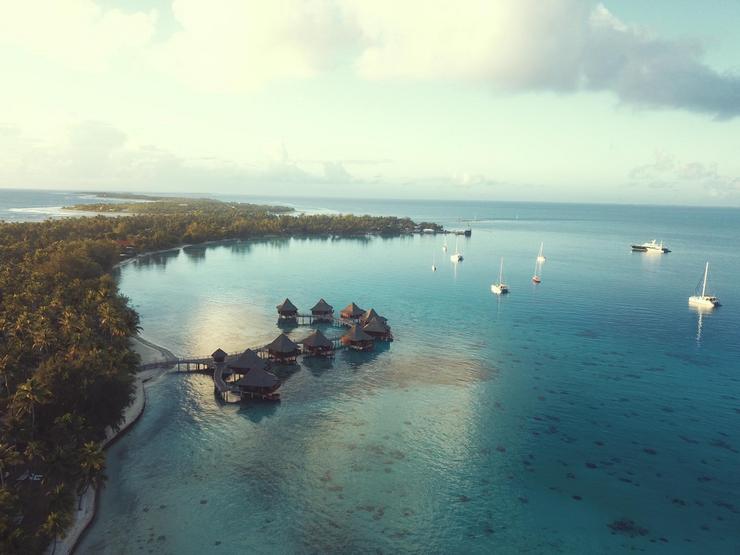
{"x":457,"y":255}
{"x":703,"y":300}
{"x":434,"y":262}
{"x":537,"y":270}
{"x":541,"y":256}
{"x":500,"y":288}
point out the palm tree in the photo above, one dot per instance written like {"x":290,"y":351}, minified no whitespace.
{"x":92,"y":469}
{"x":8,"y":457}
{"x":56,"y":525}
{"x":29,"y":394}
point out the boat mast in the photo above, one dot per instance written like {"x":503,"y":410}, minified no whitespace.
{"x":704,"y":286}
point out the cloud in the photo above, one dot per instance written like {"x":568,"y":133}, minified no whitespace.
{"x":96,"y":154}
{"x":665,"y":172}
{"x":237,"y":45}
{"x":509,"y":45}
{"x":78,"y":34}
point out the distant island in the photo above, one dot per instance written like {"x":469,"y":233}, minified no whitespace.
{"x":66,"y":363}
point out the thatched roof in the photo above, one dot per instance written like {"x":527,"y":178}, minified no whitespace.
{"x":352,"y":310}
{"x":376,"y":325}
{"x":287,"y":306}
{"x":355,"y":333}
{"x":219,"y":353}
{"x":248,"y":360}
{"x":322,"y":306}
{"x":259,"y":378}
{"x":370,"y":314}
{"x":317,"y":339}
{"x":282,"y":344}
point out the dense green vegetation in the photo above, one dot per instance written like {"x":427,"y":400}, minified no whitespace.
{"x":66,"y":366}
{"x":177,"y":205}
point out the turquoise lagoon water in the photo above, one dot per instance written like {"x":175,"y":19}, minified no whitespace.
{"x":527,"y":423}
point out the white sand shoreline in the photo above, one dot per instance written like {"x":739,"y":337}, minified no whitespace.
{"x":149,"y":353}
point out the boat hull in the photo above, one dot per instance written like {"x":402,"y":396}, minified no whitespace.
{"x":499,"y":289}
{"x":703,"y":302}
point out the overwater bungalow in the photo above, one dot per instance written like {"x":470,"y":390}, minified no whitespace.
{"x":378,"y":329}
{"x":283,"y":350}
{"x":322,"y":311}
{"x":258,"y":383}
{"x":219,"y":356}
{"x":357,"y":339}
{"x":369,"y":315}
{"x":318,"y":345}
{"x":287,"y":310}
{"x":352,"y":312}
{"x":246,"y":362}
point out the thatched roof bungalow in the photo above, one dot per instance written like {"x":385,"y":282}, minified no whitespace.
{"x":357,"y":339}
{"x":247,"y":361}
{"x":287,"y":310}
{"x":259,"y":382}
{"x":322,"y":310}
{"x":282,"y":349}
{"x":370,"y":314}
{"x":317,"y":344}
{"x":352,"y":312}
{"x":378,"y":329}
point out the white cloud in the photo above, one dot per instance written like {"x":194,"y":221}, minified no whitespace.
{"x":78,"y":34}
{"x":666,"y":172}
{"x":511,"y":45}
{"x":234,"y":45}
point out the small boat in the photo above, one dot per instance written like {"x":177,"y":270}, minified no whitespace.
{"x":652,"y":247}
{"x":434,"y":264}
{"x":703,"y":300}
{"x":457,"y":255}
{"x":541,"y":257}
{"x":537,"y":269}
{"x":500,"y":288}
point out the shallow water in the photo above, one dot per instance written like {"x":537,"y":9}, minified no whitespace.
{"x":527,"y":423}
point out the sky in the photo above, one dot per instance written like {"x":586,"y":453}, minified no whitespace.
{"x":556,"y":100}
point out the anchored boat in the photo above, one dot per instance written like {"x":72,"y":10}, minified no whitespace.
{"x":703,"y":300}
{"x":652,"y":247}
{"x":500,"y":288}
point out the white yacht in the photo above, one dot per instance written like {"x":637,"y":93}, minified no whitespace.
{"x":500,"y":288}
{"x":703,"y":300}
{"x":652,"y":247}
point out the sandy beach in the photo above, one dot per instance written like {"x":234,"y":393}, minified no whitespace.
{"x":83,"y":516}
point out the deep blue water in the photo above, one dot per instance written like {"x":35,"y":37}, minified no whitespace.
{"x":527,"y":423}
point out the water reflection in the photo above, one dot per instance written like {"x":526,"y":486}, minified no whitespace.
{"x":700,"y":313}
{"x":156,"y":259}
{"x":196,"y":253}
{"x":257,"y":411}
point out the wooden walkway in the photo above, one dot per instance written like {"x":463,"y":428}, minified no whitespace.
{"x":205,"y":364}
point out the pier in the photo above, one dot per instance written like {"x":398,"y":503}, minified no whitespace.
{"x":219,"y":364}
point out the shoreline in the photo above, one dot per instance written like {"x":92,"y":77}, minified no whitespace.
{"x":84,"y":517}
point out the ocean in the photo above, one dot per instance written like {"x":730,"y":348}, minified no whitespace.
{"x":593,"y":413}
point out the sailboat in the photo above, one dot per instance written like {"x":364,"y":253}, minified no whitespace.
{"x":434,"y":262}
{"x":540,"y":256}
{"x":500,"y":288}
{"x":537,"y":269}
{"x":456,"y":256}
{"x":703,"y":300}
